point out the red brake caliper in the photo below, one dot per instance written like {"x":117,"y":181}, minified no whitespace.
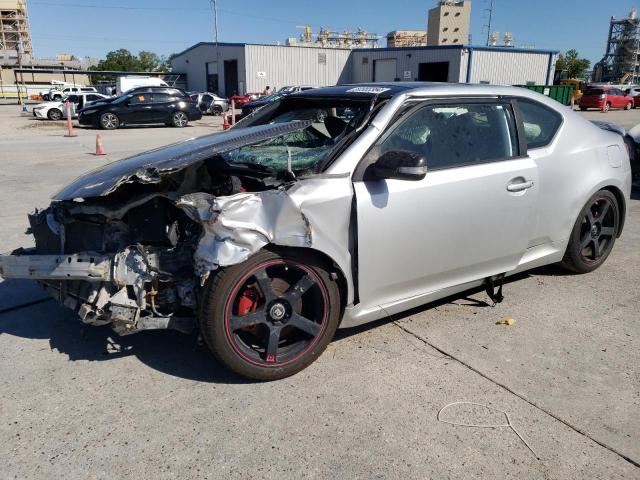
{"x":248,"y":302}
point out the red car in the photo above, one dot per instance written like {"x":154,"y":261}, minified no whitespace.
{"x":605,"y":98}
{"x":242,"y":99}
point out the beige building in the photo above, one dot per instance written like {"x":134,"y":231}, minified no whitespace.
{"x":407,"y":38}
{"x":449,"y":23}
{"x":14,"y":31}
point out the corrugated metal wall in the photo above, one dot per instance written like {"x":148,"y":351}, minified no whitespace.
{"x":281,"y":65}
{"x":510,"y":68}
{"x":194,"y":64}
{"x":407,"y":61}
{"x":278,"y":66}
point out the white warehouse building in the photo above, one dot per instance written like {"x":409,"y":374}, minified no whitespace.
{"x":229,"y":68}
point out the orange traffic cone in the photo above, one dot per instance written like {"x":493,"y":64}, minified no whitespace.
{"x":225,"y":125}
{"x":99,"y":147}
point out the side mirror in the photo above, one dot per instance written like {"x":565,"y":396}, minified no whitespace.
{"x":401,"y":165}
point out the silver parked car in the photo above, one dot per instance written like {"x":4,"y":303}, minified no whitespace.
{"x":331,"y":207}
{"x":210,"y":103}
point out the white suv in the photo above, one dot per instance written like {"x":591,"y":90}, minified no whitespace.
{"x":55,"y":94}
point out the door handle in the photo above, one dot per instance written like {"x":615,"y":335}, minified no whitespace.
{"x":518,"y":186}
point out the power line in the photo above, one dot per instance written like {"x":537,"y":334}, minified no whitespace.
{"x":180,"y":9}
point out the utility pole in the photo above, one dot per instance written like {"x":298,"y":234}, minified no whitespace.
{"x":214,"y":7}
{"x":490,"y":20}
{"x":19,"y":51}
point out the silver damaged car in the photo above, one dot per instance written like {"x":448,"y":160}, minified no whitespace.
{"x":330,"y":208}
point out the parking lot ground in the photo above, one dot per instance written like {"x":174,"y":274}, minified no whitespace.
{"x":627,"y":119}
{"x":81,"y":402}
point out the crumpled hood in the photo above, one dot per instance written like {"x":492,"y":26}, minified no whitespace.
{"x":148,"y":167}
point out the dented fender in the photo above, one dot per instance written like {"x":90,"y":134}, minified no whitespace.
{"x":237,"y":226}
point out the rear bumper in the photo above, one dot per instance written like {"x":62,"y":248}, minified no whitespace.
{"x":592,"y":104}
{"x":194,"y":115}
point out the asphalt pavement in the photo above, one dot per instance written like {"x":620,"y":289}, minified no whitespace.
{"x":80,"y":402}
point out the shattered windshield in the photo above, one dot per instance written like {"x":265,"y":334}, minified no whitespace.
{"x":302,"y":151}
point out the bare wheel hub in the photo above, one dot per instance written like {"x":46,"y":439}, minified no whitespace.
{"x":278,"y":312}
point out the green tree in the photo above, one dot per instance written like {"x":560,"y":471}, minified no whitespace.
{"x":166,"y":62}
{"x":571,"y":62}
{"x":119,"y":60}
{"x":149,"y":61}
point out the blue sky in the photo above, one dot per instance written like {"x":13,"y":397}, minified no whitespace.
{"x":93,"y":27}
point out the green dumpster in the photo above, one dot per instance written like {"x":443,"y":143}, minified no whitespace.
{"x":561,"y":93}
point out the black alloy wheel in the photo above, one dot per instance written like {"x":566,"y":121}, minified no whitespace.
{"x":271,"y":316}
{"x":594,"y":233}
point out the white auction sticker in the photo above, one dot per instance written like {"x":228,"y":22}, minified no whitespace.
{"x":368,"y":90}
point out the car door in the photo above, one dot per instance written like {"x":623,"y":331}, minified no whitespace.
{"x":73,"y":105}
{"x":205,"y":104}
{"x":139,"y":108}
{"x":162,"y":107}
{"x":467,"y":219}
{"x":614,"y":98}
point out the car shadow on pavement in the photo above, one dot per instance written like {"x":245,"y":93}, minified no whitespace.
{"x":167,"y":351}
{"x":465,"y":298}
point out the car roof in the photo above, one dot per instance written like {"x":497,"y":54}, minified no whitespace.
{"x":426,"y":90}
{"x":154,"y":87}
{"x":384,"y":90}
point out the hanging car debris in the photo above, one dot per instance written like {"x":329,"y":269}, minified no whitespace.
{"x":317,"y":211}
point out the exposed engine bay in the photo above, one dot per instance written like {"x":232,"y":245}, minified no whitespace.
{"x":148,"y":242}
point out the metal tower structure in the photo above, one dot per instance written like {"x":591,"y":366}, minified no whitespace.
{"x":14,"y":29}
{"x":620,"y":63}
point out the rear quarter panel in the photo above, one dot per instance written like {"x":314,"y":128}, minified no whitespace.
{"x":571,"y":169}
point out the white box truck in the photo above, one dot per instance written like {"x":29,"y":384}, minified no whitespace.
{"x":133,"y":81}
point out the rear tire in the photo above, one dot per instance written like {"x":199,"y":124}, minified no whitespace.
{"x":179,"y":119}
{"x":628,"y":106}
{"x":54,"y":114}
{"x":241,"y":304}
{"x":584,"y":109}
{"x":607,"y":107}
{"x":593,"y":234}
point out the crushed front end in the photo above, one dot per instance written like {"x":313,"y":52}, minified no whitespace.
{"x":130,"y":267}
{"x":131,"y":243}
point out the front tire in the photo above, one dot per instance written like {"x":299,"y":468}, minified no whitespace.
{"x":179,"y":119}
{"x":109,"y":121}
{"x":54,"y":114}
{"x":628,"y":106}
{"x":593,"y":234}
{"x":584,"y":109}
{"x":607,"y":107}
{"x":270,"y":316}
